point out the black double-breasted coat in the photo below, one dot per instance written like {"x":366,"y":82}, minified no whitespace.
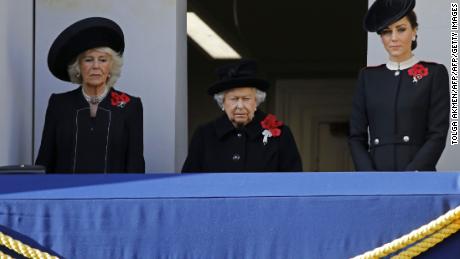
{"x":75,"y":142}
{"x":398,"y":122}
{"x":220,"y":147}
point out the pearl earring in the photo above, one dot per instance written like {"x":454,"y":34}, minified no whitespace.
{"x":223,"y":109}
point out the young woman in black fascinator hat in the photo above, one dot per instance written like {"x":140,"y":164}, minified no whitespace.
{"x":400,"y":115}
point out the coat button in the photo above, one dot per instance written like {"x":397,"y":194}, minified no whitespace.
{"x":239,"y":135}
{"x":406,"y":139}
{"x":236,"y":157}
{"x":376,"y":141}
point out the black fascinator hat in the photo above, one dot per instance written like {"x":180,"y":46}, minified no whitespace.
{"x":83,"y":35}
{"x":241,"y":74}
{"x":382,"y":13}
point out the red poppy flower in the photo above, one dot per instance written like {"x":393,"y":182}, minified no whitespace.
{"x":119,"y":99}
{"x":275,"y":132}
{"x":271,"y":124}
{"x":417,"y":72}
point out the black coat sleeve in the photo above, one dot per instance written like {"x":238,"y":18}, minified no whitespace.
{"x":135,"y":162}
{"x":194,"y":160}
{"x":359,"y":136}
{"x":290,"y":160}
{"x":47,"y":152}
{"x":438,"y":123}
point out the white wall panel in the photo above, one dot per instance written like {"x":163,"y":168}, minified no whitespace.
{"x":16,"y":52}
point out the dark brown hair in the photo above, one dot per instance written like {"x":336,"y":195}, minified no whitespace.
{"x":412,"y":17}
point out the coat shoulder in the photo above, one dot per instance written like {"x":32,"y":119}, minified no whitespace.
{"x":374,"y":67}
{"x":371,"y":69}
{"x":430,"y":63}
{"x":202,"y":129}
{"x":65,"y":98}
{"x":207,"y":128}
{"x":434,"y":65}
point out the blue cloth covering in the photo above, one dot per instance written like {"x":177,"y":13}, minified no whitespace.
{"x":274,"y":215}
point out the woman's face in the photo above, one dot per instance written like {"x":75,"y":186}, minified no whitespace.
{"x":95,"y":68}
{"x":397,"y":39}
{"x":240,"y":105}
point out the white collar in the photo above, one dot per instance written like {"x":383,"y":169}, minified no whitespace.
{"x":95,"y":99}
{"x":402,"y":65}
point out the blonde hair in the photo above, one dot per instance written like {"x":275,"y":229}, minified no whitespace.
{"x":115,"y":71}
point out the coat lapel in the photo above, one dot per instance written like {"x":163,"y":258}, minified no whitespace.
{"x":254,"y":129}
{"x":223,"y":126}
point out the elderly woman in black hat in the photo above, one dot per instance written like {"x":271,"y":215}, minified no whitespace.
{"x":400,"y":115}
{"x":94,"y":128}
{"x":243,"y":139}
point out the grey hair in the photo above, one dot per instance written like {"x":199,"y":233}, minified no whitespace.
{"x":260,"y":97}
{"x":115,"y":71}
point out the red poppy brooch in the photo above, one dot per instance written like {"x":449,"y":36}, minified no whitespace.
{"x":119,"y":99}
{"x":270,"y":125}
{"x":417,"y":72}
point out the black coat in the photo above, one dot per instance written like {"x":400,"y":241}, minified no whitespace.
{"x":220,"y":147}
{"x":408,"y":121}
{"x":73,"y":142}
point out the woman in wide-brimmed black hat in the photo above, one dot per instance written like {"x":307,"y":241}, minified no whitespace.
{"x":94,"y":128}
{"x":400,"y":115}
{"x":243,"y":139}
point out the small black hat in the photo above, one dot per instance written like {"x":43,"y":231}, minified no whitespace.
{"x":85,"y":34}
{"x":241,"y":74}
{"x":385,"y":12}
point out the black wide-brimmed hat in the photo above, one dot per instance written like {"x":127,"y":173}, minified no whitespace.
{"x":83,"y":35}
{"x":241,"y":74}
{"x":382,"y":13}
